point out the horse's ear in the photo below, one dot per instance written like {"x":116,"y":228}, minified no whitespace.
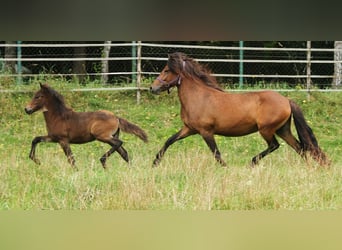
{"x":43,"y":85}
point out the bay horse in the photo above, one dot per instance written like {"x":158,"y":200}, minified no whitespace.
{"x":206,"y":109}
{"x":65,"y":126}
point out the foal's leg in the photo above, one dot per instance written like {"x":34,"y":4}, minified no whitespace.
{"x":35,"y":141}
{"x":122,"y":152}
{"x":116,"y":146}
{"x":67,"y":151}
{"x":209,"y":139}
{"x":272,"y":145}
{"x":181,"y":134}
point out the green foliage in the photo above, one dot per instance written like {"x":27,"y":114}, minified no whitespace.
{"x":188,"y":177}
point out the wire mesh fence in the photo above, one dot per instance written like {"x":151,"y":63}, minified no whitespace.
{"x":233,"y":63}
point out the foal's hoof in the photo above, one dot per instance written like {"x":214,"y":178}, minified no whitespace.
{"x":223,"y":164}
{"x":75,"y":168}
{"x":103,"y":162}
{"x":252,"y":165}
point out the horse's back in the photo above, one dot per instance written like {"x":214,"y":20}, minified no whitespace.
{"x":274,"y":103}
{"x":239,"y":114}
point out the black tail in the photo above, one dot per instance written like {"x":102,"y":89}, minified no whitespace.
{"x":131,"y":128}
{"x":306,"y":136}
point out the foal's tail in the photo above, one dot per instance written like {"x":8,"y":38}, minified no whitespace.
{"x":131,"y":128}
{"x":306,"y":136}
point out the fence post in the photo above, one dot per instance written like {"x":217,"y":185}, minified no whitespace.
{"x":138,"y":71}
{"x":104,"y":63}
{"x":308,"y":67}
{"x":134,"y":62}
{"x":241,"y":65}
{"x":19,"y":65}
{"x":337,"y":65}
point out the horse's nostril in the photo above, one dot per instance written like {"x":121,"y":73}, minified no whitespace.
{"x":28,"y":110}
{"x":155,"y":91}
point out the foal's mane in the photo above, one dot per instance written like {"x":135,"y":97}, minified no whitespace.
{"x":187,"y":67}
{"x":58,"y":99}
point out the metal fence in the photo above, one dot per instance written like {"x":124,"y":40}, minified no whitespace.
{"x":128,"y":64}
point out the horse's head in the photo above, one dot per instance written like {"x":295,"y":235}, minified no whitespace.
{"x":166,"y":80}
{"x":38,"y":101}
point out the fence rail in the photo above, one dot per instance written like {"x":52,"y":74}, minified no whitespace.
{"x":231,"y":64}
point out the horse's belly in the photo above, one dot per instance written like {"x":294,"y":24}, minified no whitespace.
{"x":239,"y":130}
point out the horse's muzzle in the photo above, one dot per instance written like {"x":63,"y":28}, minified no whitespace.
{"x":29,"y":110}
{"x":155,"y":91}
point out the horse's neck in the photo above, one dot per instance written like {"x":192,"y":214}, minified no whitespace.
{"x":190,"y":91}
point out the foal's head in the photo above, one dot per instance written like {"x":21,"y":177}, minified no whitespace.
{"x":42,"y":98}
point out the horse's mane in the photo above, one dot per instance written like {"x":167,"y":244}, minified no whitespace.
{"x":187,"y":67}
{"x":57,"y":97}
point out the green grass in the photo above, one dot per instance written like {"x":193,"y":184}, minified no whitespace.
{"x":188,"y":177}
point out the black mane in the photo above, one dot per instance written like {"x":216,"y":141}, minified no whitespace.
{"x":187,"y":67}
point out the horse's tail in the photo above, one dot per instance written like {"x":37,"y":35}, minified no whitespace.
{"x":131,"y":128}
{"x":306,"y":136}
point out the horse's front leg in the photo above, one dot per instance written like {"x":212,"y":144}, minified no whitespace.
{"x":67,"y":151}
{"x":210,"y":140}
{"x":35,"y":141}
{"x":181,"y":134}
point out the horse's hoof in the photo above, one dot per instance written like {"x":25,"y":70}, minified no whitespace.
{"x":155,"y":163}
{"x":36,"y":161}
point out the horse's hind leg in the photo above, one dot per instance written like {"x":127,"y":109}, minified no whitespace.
{"x":272,"y":145}
{"x":286,"y":134}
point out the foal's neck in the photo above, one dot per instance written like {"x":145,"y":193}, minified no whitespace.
{"x":54,"y":111}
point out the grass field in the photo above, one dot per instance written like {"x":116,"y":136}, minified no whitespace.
{"x":188,"y":177}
